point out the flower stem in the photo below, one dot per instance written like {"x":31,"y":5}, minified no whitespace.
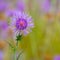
{"x":19,"y":55}
{"x":15,"y":55}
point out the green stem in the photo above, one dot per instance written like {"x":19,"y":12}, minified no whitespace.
{"x":15,"y":55}
{"x":15,"y":51}
{"x":19,"y":55}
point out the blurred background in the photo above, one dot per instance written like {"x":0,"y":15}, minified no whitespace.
{"x":43,"y":43}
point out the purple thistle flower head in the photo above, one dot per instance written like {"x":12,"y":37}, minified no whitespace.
{"x":57,"y":57}
{"x":21,"y":24}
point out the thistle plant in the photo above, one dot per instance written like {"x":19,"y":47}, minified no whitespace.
{"x":20,"y":24}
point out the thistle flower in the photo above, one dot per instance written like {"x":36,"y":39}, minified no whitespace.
{"x":21,"y":23}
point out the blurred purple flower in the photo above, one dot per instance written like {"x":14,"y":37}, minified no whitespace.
{"x":3,"y":25}
{"x":45,"y":5}
{"x":3,"y":6}
{"x":20,"y":5}
{"x":1,"y":55}
{"x":57,"y":57}
{"x":3,"y":29}
{"x":21,"y":23}
{"x":9,"y":13}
